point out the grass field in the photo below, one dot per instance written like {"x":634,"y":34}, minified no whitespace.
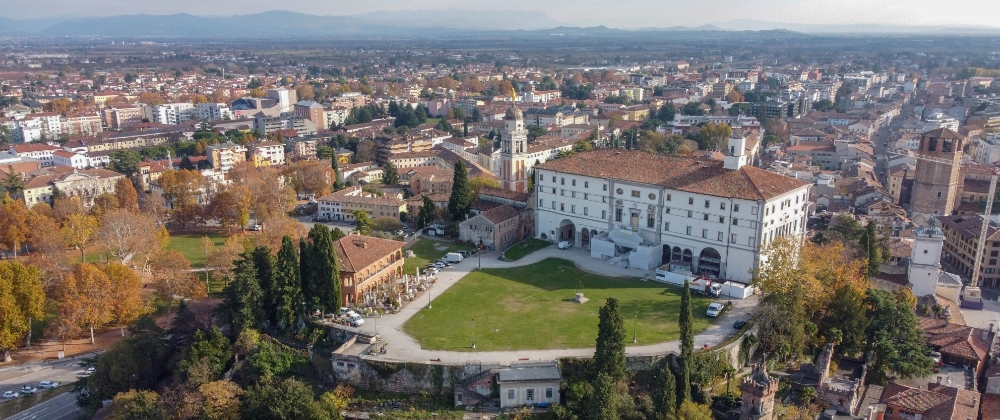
{"x":427,"y":251}
{"x":524,"y":248}
{"x":188,"y":245}
{"x":532,"y":307}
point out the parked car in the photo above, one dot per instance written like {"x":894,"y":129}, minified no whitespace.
{"x":714,"y":309}
{"x":935,"y":356}
{"x":565,"y":245}
{"x":10,"y":394}
{"x":27,"y":390}
{"x":739,"y":324}
{"x":255,"y":228}
{"x":47,"y":384}
{"x":90,"y":370}
{"x":355,"y":319}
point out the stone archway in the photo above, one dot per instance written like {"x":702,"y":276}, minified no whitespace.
{"x":567,"y":231}
{"x":687,"y":257}
{"x":585,"y":238}
{"x":710,"y":262}
{"x":675,"y":254}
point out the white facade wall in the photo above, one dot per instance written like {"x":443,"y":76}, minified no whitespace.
{"x":213,"y":111}
{"x":519,"y":394}
{"x":77,"y":161}
{"x":672,"y":218}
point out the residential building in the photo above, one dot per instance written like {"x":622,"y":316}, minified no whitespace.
{"x":40,"y":151}
{"x":961,"y":238}
{"x":267,"y":153}
{"x":341,"y":205}
{"x":986,"y":151}
{"x":286,"y":121}
{"x":82,"y":125}
{"x":74,"y":160}
{"x":428,"y":180}
{"x":49,"y":122}
{"x":714,"y":216}
{"x":123,"y":117}
{"x":901,"y":182}
{"x":935,"y":184}
{"x":224,"y":156}
{"x":213,"y":112}
{"x":304,"y":147}
{"x":960,"y":345}
{"x":172,"y":114}
{"x":496,"y":228}
{"x":368,"y":267}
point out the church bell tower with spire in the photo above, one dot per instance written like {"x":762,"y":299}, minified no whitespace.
{"x":514,"y":151}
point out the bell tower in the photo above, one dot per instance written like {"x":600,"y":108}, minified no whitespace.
{"x":513,"y":151}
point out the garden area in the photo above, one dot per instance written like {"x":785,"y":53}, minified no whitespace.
{"x":523,"y":248}
{"x":189,"y":245}
{"x":427,"y":251}
{"x":532,"y":307}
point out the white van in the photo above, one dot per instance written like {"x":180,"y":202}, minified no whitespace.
{"x":714,"y":309}
{"x":565,"y":245}
{"x":453,"y":257}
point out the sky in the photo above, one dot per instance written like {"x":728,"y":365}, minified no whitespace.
{"x":628,"y":15}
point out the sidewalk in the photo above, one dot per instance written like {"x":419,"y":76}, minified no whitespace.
{"x":403,"y":348}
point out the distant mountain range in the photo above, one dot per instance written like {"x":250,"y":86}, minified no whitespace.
{"x":390,"y":24}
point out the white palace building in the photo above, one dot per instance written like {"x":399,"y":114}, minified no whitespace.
{"x":649,"y":209}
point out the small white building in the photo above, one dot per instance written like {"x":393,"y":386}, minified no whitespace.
{"x":529,"y":384}
{"x":75,"y":160}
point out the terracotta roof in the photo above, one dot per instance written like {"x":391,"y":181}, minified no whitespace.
{"x":938,"y":402}
{"x":32,"y":147}
{"x":969,"y":226}
{"x":958,"y":340}
{"x":991,"y":406}
{"x":678,"y":173}
{"x":355,"y":252}
{"x":521,"y":197}
{"x":501,"y":213}
{"x":943,"y":133}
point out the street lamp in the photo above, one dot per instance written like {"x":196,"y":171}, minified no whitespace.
{"x":635,"y":324}
{"x":376,"y":324}
{"x":473,"y":333}
{"x":429,"y":298}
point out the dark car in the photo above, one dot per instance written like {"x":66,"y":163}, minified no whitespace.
{"x":739,"y":324}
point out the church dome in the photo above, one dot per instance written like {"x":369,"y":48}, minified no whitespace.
{"x":514,"y":113}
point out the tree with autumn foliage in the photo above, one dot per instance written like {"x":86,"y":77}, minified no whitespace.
{"x":16,"y":221}
{"x":231,"y":206}
{"x":127,"y":196}
{"x":124,"y":234}
{"x":311,"y":177}
{"x":86,"y":298}
{"x":127,"y":304}
{"x":173,"y":278}
{"x":182,"y":188}
{"x":22,"y":300}
{"x":77,"y":231}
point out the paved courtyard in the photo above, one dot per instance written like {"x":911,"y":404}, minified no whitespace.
{"x":402,"y":347}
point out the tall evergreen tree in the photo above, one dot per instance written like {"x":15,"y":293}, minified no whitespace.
{"x":687,"y":346}
{"x":390,"y":175}
{"x":427,"y":214}
{"x":305,"y":273}
{"x":461,"y":193}
{"x":321,"y":276}
{"x":609,"y":357}
{"x":243,"y":301}
{"x":607,"y":399}
{"x":665,"y":397}
{"x":337,"y":183}
{"x":287,"y":286}
{"x":263,"y":262}
{"x":869,"y":243}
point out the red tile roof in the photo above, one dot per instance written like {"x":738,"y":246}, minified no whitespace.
{"x":355,"y":252}
{"x":937,"y":402}
{"x":501,"y":213}
{"x":957,"y":340}
{"x":678,"y":173}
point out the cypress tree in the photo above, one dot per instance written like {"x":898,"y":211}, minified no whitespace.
{"x":607,"y":399}
{"x":390,"y":175}
{"x":869,"y":240}
{"x":426,"y":214}
{"x":306,"y":274}
{"x":263,"y":262}
{"x":244,"y":297}
{"x":665,"y":398}
{"x":687,"y":347}
{"x":287,"y":286}
{"x":321,"y":273}
{"x":461,"y":193}
{"x":609,"y":357}
{"x":337,"y":183}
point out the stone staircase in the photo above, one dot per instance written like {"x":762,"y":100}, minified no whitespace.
{"x":470,"y":387}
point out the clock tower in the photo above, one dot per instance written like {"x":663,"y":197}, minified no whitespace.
{"x":514,"y":151}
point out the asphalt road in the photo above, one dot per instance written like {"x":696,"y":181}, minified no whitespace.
{"x":61,"y":407}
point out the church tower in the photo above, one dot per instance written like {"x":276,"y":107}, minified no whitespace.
{"x":514,"y":151}
{"x":935,"y":186}
{"x":759,"y":390}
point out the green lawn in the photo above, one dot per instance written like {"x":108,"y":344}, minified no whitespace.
{"x":429,"y":250}
{"x":524,"y":248}
{"x":532,"y":307}
{"x":188,"y":245}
